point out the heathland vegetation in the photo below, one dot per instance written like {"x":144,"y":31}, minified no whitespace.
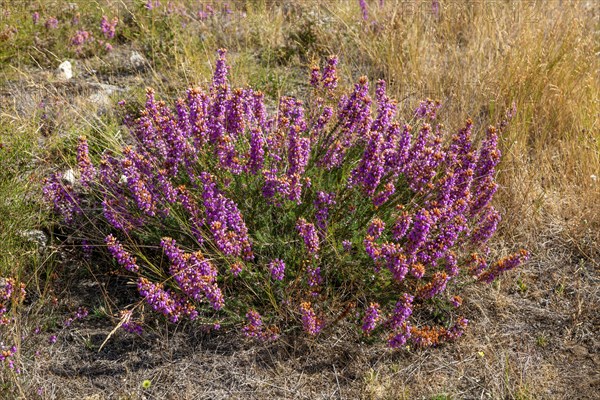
{"x":350,"y":199}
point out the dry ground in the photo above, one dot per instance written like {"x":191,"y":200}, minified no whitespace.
{"x":534,"y":335}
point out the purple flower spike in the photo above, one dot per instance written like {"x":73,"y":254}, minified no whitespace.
{"x":108,"y":28}
{"x":329,"y":78}
{"x":371,"y":318}
{"x":503,"y":265}
{"x":86,"y":168}
{"x":315,"y":77}
{"x":195,"y":275}
{"x":312,"y":325}
{"x":308,"y":232}
{"x":256,"y":329}
{"x":277,"y":269}
{"x":124,"y":259}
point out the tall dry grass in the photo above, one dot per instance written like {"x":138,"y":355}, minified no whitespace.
{"x":477,"y":57}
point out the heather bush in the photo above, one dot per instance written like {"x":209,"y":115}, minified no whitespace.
{"x":323,"y":210}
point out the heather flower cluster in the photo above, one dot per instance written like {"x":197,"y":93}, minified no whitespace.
{"x":277,"y":268}
{"x":214,"y":199}
{"x":108,"y":27}
{"x":83,"y":40}
{"x":256,"y":329}
{"x":11,"y":293}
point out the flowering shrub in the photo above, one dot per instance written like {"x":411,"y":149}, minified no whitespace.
{"x":226,"y":214}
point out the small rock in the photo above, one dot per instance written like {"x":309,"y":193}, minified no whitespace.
{"x":93,"y":397}
{"x":101,"y":99}
{"x":579,"y":350}
{"x":108,"y":89}
{"x":68,"y":177}
{"x":137,"y":60}
{"x":64,"y":71}
{"x":37,"y":236}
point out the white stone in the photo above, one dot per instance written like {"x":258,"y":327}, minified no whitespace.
{"x":65,"y":71}
{"x":37,"y":236}
{"x":137,"y":60}
{"x":100,"y":99}
{"x":68,"y":177}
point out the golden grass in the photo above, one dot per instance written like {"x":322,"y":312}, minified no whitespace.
{"x":479,"y":57}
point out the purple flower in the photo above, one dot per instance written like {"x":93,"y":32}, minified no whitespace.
{"x":483,"y":186}
{"x":79,"y":39}
{"x":164,"y":301}
{"x":308,"y":232}
{"x":256,"y":329}
{"x":402,"y":311}
{"x":485,"y":226}
{"x":137,"y":182}
{"x":152,"y":4}
{"x":225,"y":220}
{"x":81,"y":313}
{"x":35,"y":17}
{"x":277,"y":269}
{"x":221,"y":70}
{"x":401,"y":226}
{"x":63,"y":197}
{"x":124,"y":259}
{"x":399,"y":336}
{"x":51,"y":23}
{"x":503,"y":265}
{"x":395,"y":260}
{"x":314,"y":278}
{"x":128,"y":324}
{"x":456,"y":301}
{"x":195,"y":275}
{"x":254,"y":326}
{"x":427,"y":109}
{"x":435,"y":8}
{"x":398,"y":322}
{"x":417,"y":270}
{"x":257,"y":152}
{"x":86,"y":168}
{"x":329,"y":78}
{"x":132,"y":327}
{"x":323,"y":119}
{"x":435,"y":286}
{"x":457,"y":329}
{"x":347,"y":245}
{"x":315,"y":77}
{"x":312,"y":325}
{"x":363,"y":9}
{"x":322,"y":203}
{"x":354,"y":120}
{"x":108,"y":28}
{"x":422,"y":223}
{"x":371,"y":318}
{"x":236,"y":268}
{"x":376,"y":228}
